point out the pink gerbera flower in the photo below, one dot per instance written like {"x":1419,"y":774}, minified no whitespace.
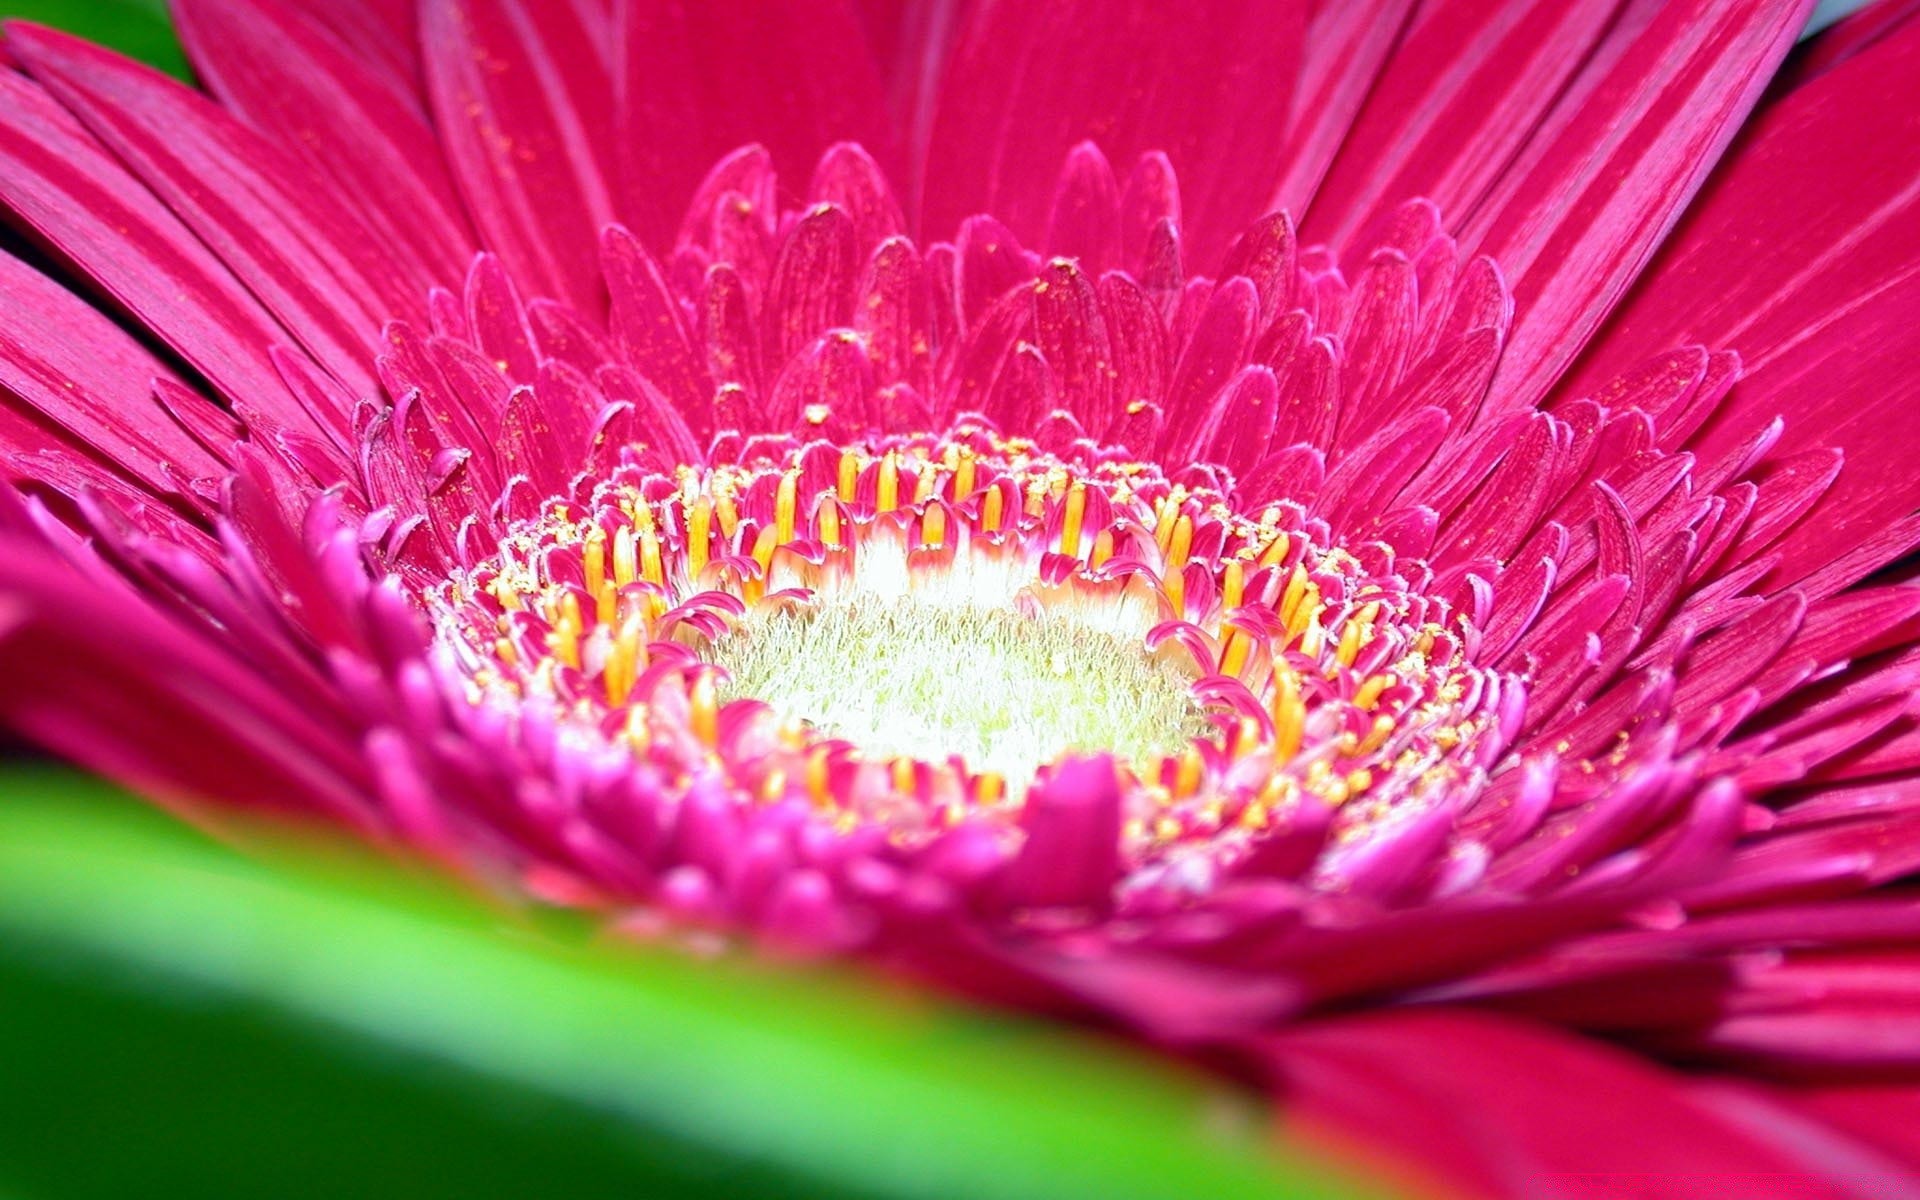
{"x":896,"y":482}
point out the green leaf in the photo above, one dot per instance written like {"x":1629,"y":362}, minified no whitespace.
{"x":177,"y":1019}
{"x":136,"y":28}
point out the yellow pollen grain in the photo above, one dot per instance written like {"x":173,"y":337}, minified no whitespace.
{"x":1167,"y":829}
{"x":925,"y":484}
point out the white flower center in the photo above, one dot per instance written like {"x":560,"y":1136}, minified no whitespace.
{"x":921,"y":676}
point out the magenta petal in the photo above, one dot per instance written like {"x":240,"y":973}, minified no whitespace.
{"x":311,"y":262}
{"x":66,"y":362}
{"x":1210,"y":84}
{"x":1505,"y":1108}
{"x":71,"y":193}
{"x":1455,"y":103}
{"x":280,"y":70}
{"x":1071,"y":857}
{"x":1574,"y":221}
{"x":522,"y":100}
{"x":1802,"y":256}
{"x":1347,"y":44}
{"x":698,"y":80}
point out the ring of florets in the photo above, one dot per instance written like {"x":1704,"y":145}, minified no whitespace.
{"x":794,"y":617}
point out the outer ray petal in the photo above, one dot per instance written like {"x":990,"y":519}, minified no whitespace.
{"x":1804,"y":256}
{"x":697,"y":80}
{"x":1209,"y":85}
{"x":292,"y":80}
{"x":522,"y":102}
{"x":1463,"y":93}
{"x":1580,"y":213}
{"x":1579,"y":1114}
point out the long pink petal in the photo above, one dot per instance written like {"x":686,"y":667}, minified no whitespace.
{"x":311,"y":262}
{"x":1348,"y":42}
{"x":1458,"y":100}
{"x":1804,"y":256}
{"x":523,"y":103}
{"x":1582,"y":211}
{"x":271,"y":63}
{"x":61,"y":359}
{"x":1210,"y":84}
{"x":698,"y":80}
{"x":1507,"y":1108}
{"x":74,"y":197}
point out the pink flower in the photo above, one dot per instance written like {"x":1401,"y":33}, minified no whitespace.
{"x":1455,"y":677}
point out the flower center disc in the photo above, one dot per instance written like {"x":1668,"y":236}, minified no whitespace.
{"x":1004,"y":690}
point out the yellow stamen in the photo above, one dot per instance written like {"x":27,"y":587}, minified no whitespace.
{"x":828,"y":517}
{"x":933,"y":526}
{"x":1233,"y":584}
{"x":848,"y":482}
{"x":784,"y":503}
{"x":1368,"y":693}
{"x":699,"y":533}
{"x":1275,"y":551}
{"x":818,"y":777}
{"x":703,"y":706}
{"x":888,"y":497}
{"x":989,"y":787}
{"x":1186,"y":779}
{"x":963,"y":475}
{"x":625,"y":566}
{"x":1382,"y":727}
{"x":1289,"y":714}
{"x":1076,"y":512}
{"x":1102,"y":549}
{"x":593,"y":560}
{"x":993,"y":510}
{"x":1182,"y":543}
{"x":651,"y":568}
{"x":903,"y":775}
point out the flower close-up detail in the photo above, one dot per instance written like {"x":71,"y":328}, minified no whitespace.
{"x":1359,"y":542}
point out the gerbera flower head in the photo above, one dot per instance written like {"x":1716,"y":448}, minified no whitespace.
{"x":1114,"y":602}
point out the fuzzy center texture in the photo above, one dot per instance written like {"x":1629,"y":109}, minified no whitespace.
{"x":1007,"y":691}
